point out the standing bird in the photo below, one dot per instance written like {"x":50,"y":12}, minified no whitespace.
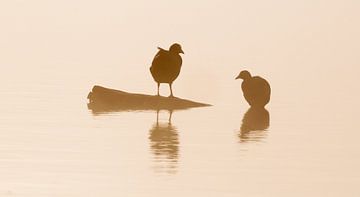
{"x":166,"y":66}
{"x":256,"y":90}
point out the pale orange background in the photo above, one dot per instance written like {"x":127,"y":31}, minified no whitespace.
{"x":53,"y":52}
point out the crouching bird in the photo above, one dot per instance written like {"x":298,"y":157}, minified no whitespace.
{"x":166,"y":66}
{"x":256,"y":90}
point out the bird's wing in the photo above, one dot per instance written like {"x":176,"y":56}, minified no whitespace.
{"x":160,"y":52}
{"x":261,"y":85}
{"x":251,"y":88}
{"x":161,"y":59}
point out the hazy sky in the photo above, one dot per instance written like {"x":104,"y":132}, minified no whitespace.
{"x":318,"y":36}
{"x":111,"y":27}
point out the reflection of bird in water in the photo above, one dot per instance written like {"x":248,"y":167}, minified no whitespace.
{"x":256,"y":90}
{"x":165,"y":67}
{"x":254,"y":123}
{"x":165,"y":142}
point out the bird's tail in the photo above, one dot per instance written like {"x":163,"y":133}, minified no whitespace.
{"x":161,"y":49}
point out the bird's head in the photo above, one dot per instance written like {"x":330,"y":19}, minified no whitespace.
{"x":176,"y":48}
{"x":244,"y":75}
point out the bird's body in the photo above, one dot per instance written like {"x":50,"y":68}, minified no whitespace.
{"x":166,"y":65}
{"x":256,"y":90}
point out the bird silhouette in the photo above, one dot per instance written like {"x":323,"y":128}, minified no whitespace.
{"x":256,"y":90}
{"x":166,"y":66}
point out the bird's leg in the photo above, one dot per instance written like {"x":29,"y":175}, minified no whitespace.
{"x":158,"y":86}
{"x":171,"y":92}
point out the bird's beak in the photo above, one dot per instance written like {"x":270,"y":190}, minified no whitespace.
{"x":238,"y":77}
{"x":181,"y":51}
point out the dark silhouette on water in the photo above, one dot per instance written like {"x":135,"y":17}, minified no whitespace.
{"x":256,"y":90}
{"x":164,"y":144}
{"x":166,"y":66}
{"x":106,"y":100}
{"x":255,"y":121}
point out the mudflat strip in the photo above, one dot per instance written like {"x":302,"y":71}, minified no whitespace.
{"x":103,"y":99}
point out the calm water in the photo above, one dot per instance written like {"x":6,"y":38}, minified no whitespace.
{"x":52,"y":145}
